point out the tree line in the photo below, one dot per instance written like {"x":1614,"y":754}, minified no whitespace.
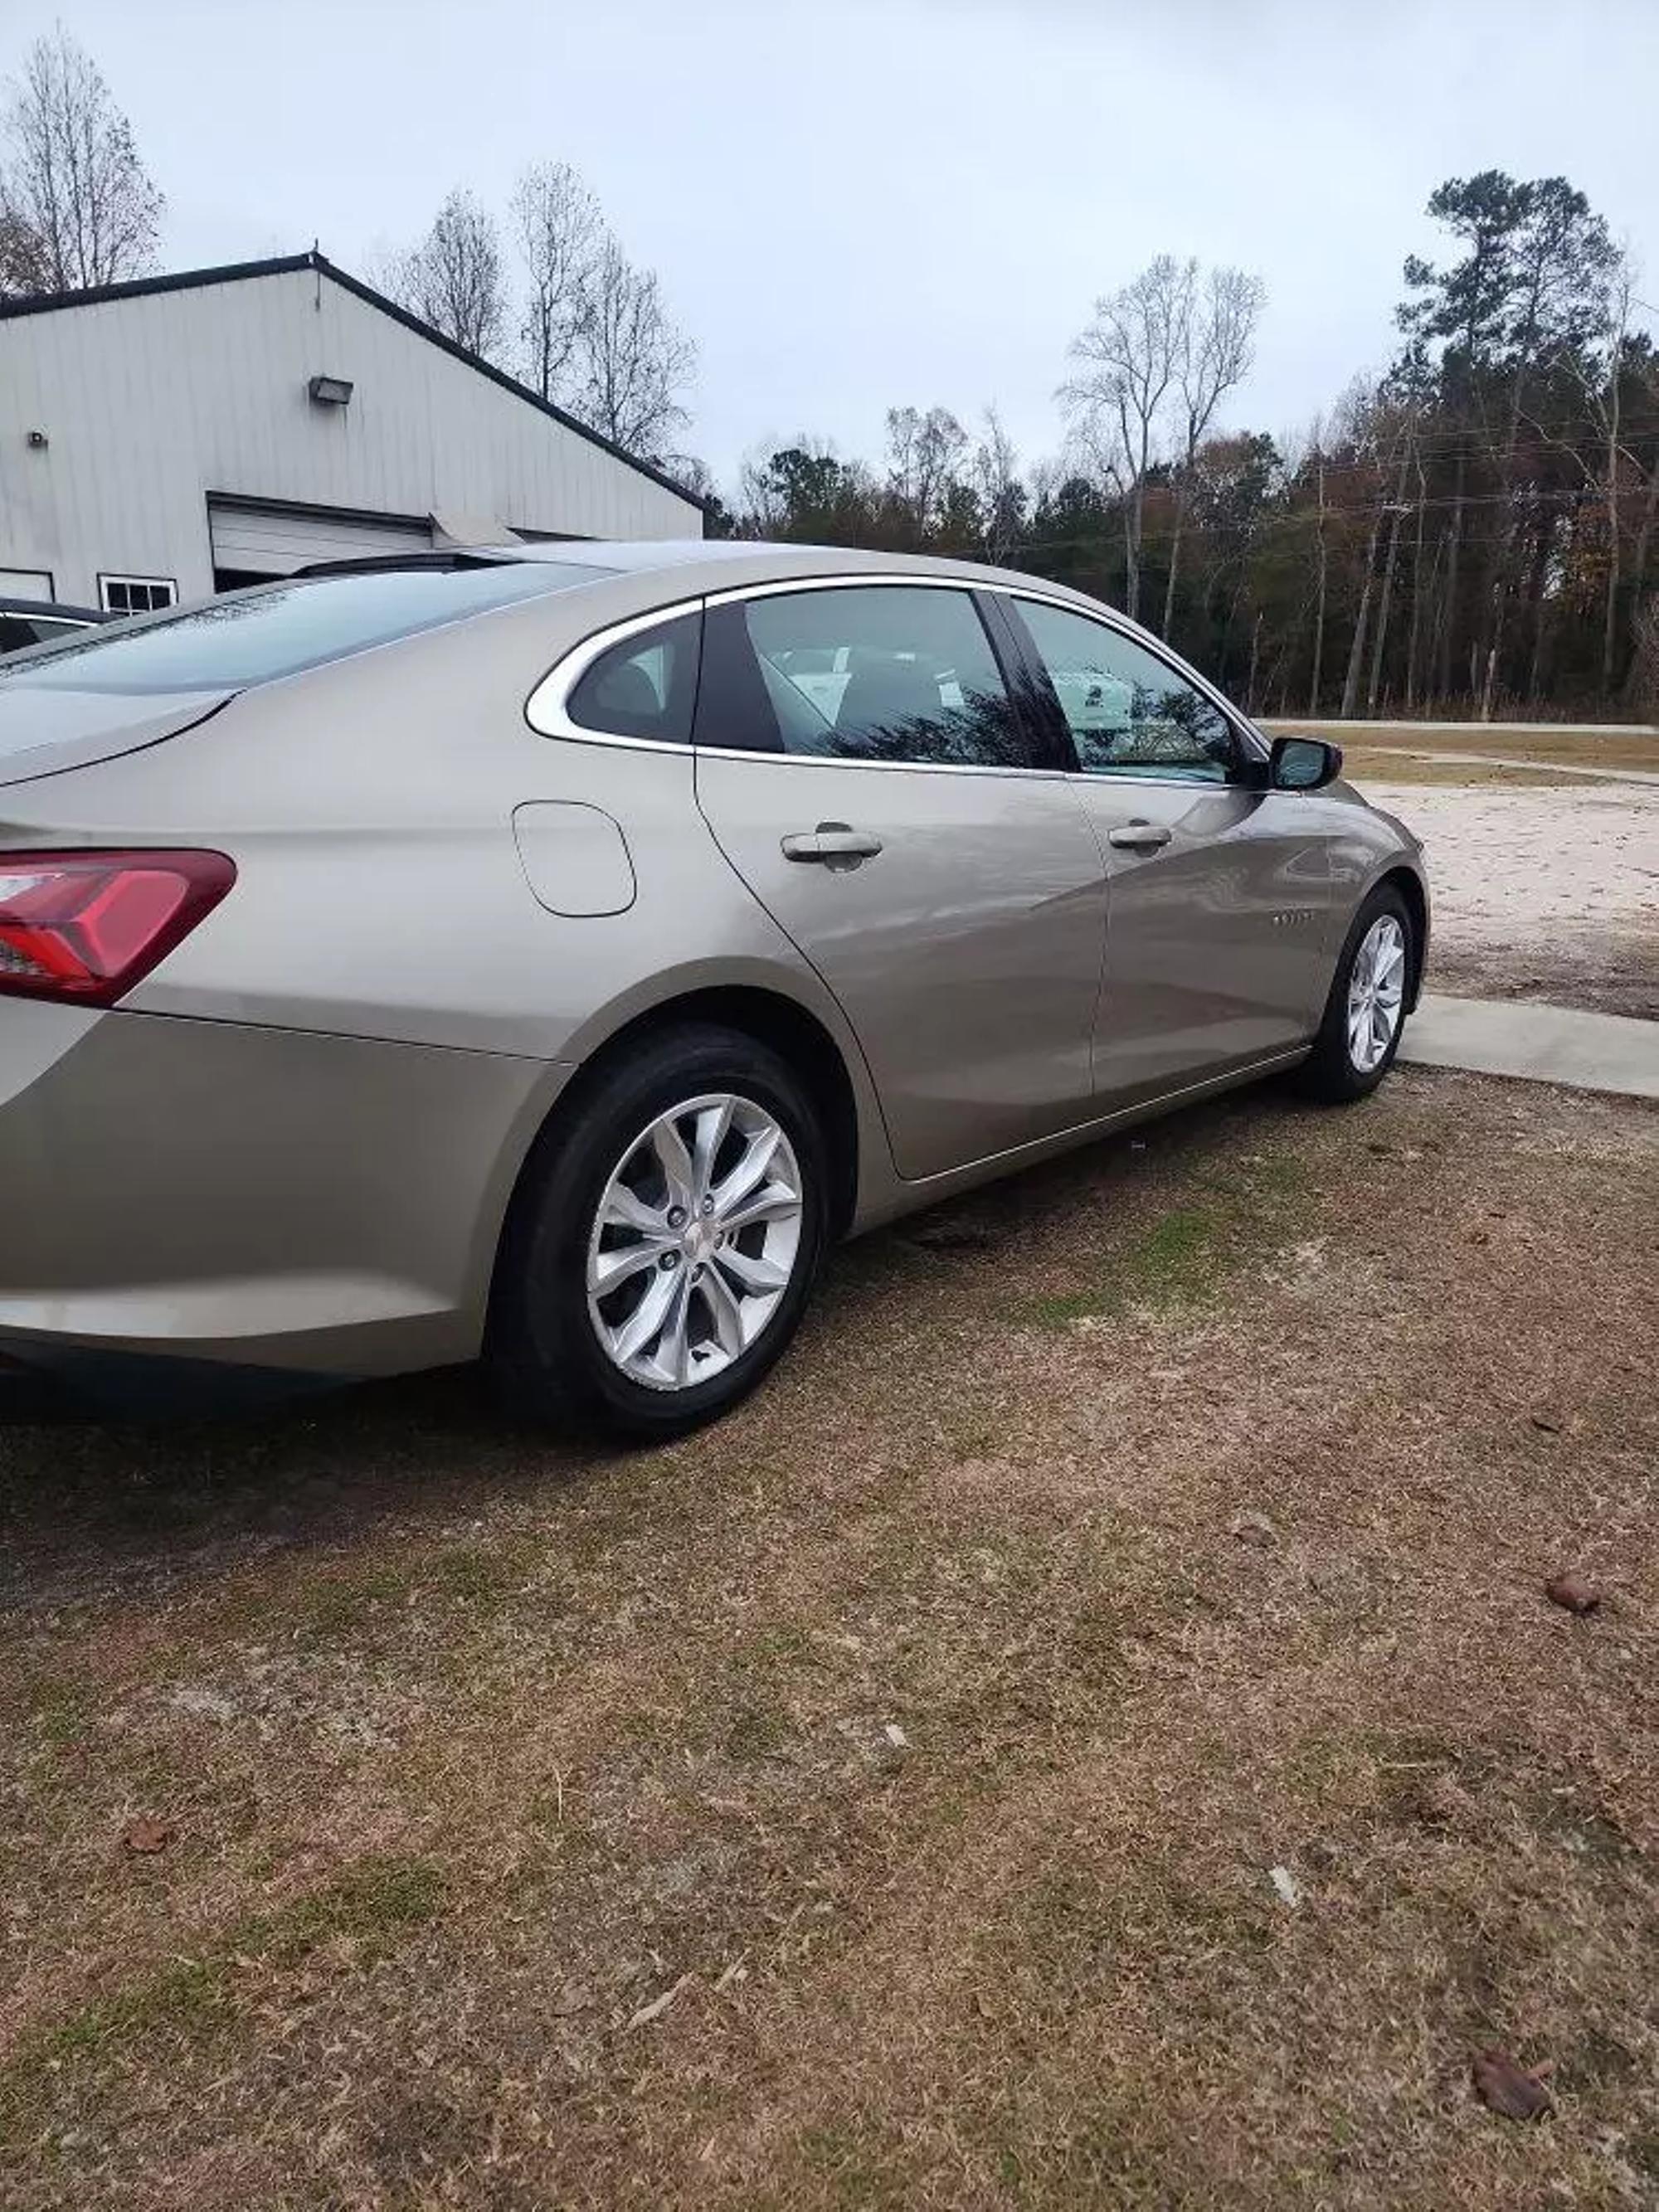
{"x":1472,"y":530}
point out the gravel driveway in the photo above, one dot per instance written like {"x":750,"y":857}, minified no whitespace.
{"x":1541,"y":893}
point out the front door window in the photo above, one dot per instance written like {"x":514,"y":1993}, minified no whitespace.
{"x":1129,"y":713}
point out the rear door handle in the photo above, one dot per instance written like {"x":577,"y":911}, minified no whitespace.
{"x":1137,"y":837}
{"x":833,"y":845}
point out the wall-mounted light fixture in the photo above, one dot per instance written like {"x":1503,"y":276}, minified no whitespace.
{"x":331,"y":390}
{"x":39,"y":441}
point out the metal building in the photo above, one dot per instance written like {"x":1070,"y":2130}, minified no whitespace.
{"x":162,"y":440}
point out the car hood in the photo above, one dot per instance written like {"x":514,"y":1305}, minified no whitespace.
{"x":45,"y":730}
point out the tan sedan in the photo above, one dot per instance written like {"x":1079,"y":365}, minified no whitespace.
{"x":547,"y":957}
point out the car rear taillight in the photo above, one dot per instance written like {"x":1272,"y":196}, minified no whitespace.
{"x":85,"y":927}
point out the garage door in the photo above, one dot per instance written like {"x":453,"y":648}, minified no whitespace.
{"x":274,"y":541}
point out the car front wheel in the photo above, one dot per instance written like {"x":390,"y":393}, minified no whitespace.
{"x":663,"y":1247}
{"x":1365,"y":1012}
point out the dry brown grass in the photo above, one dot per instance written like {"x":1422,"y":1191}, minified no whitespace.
{"x":1363,"y":764}
{"x":927,"y":1729}
{"x":1568,"y":749}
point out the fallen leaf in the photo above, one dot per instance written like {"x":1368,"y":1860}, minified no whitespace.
{"x":1509,"y":2088}
{"x":1289,"y":1889}
{"x":146,"y":1834}
{"x":574,"y":1998}
{"x":1255,"y":1528}
{"x":1572,"y":1594}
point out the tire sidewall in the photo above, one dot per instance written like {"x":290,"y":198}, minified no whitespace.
{"x":551,"y":1340}
{"x":1344,"y":1078}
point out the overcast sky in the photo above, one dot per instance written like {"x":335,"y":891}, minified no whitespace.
{"x":866,"y":203}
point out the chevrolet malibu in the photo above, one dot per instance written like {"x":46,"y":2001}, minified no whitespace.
{"x":548,"y":953}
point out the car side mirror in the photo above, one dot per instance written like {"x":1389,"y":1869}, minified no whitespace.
{"x":1303,"y":764}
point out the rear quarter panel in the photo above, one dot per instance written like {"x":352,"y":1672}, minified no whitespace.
{"x":381,"y":895}
{"x":368,"y":808}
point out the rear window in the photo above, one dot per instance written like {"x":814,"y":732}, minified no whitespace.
{"x":227,"y":644}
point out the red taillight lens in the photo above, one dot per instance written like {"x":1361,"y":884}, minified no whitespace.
{"x":84,"y":927}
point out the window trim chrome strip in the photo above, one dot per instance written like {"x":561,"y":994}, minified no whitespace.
{"x":545,"y":708}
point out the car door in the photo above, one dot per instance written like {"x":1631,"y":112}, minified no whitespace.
{"x":1220,"y":910}
{"x":863,"y":765}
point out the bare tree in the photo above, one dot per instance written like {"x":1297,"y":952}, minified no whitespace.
{"x":560,"y":233}
{"x":923,"y":453}
{"x":1367,"y":438}
{"x":1399,"y":507}
{"x":1216,"y":338}
{"x":1322,"y":565}
{"x":22,"y":264}
{"x":1001,"y":494}
{"x":632,"y":364}
{"x":1605,"y":407}
{"x":1599,"y":368}
{"x":1129,"y":355}
{"x":77,"y":206}
{"x":454,"y":278}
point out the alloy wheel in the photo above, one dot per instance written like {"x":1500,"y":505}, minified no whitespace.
{"x":1376,"y":993}
{"x":695,"y":1241}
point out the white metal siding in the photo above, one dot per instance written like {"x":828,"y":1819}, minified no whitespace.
{"x":275,"y":544}
{"x":149,"y":403}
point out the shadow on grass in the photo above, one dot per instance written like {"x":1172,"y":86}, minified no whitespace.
{"x":321,"y":1466}
{"x":79,"y":1492}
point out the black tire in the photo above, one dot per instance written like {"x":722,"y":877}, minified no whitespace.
{"x":543,"y":1348}
{"x":1329,"y":1072}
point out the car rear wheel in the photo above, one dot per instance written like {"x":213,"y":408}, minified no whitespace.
{"x":665,"y":1241}
{"x":1367,"y":1009}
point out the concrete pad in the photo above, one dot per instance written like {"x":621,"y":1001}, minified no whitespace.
{"x":1542,"y":1044}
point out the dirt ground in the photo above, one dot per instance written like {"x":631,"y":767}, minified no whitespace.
{"x":877,"y":1801}
{"x":1546,"y":884}
{"x":1540,"y":894}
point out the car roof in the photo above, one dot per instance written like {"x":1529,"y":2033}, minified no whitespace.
{"x":736,"y":561}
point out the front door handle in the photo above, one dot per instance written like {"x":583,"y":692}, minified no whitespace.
{"x":832,"y":845}
{"x":1138,"y":836}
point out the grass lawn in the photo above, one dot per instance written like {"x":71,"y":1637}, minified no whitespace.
{"x":874,"y":1801}
{"x":1566,"y":748}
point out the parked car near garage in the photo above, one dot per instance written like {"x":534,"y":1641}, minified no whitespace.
{"x":24,"y":623}
{"x":508,"y":953}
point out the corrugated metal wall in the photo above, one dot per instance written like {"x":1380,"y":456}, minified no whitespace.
{"x":149,"y":403}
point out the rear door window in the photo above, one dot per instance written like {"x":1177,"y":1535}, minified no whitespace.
{"x":644,"y":687}
{"x":879,"y":673}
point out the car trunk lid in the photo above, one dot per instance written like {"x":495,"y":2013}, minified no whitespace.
{"x":43,"y":732}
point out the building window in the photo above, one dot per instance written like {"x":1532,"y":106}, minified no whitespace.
{"x":137,"y":595}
